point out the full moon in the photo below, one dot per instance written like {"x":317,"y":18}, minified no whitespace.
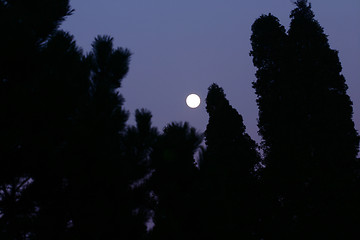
{"x":193,"y":101}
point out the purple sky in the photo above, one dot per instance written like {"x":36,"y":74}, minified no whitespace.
{"x":182,"y":46}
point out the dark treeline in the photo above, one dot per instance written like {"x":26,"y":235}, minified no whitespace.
{"x":72,"y":168}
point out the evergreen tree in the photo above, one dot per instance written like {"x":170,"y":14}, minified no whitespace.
{"x":174,"y":183}
{"x":139,"y":143}
{"x":67,"y":163}
{"x":99,"y":181}
{"x":62,"y":87}
{"x":325,"y":125}
{"x":269,"y":50}
{"x":310,"y":140}
{"x":228,"y":179}
{"x":28,"y":120}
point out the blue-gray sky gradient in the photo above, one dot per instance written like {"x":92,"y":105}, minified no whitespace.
{"x":182,"y":46}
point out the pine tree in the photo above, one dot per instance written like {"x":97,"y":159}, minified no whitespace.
{"x":61,"y":89}
{"x":99,"y":181}
{"x":228,"y":178}
{"x":174,"y":183}
{"x":27,"y":136}
{"x":66,"y":169}
{"x":139,"y":143}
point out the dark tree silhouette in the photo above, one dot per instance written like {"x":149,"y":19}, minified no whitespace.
{"x":61,"y":87}
{"x":174,"y":183}
{"x":72,"y":169}
{"x":26,"y":116}
{"x":269,"y":51}
{"x":139,"y":143}
{"x":305,"y":118}
{"x":99,"y":181}
{"x":65,"y":172}
{"x":228,"y":178}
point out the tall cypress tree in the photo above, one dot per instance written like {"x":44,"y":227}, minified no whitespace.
{"x":228,"y":178}
{"x":324,"y":114}
{"x":311,"y":155}
{"x":270,"y":55}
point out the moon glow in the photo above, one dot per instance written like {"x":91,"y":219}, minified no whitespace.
{"x":193,"y":101}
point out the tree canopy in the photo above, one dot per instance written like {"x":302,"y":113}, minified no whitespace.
{"x":71,"y":167}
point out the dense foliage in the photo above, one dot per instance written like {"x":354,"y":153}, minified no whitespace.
{"x":305,"y":119}
{"x":72,"y":168}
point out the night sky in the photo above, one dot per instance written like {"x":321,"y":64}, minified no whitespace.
{"x":182,"y":46}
